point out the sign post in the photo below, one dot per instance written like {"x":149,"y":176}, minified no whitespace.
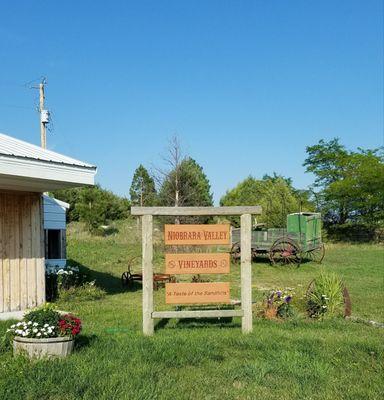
{"x":209,"y":263}
{"x":147,"y":231}
{"x":246,"y":272}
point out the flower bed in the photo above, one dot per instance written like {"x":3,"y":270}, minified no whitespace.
{"x":69,"y":283}
{"x":279,"y":303}
{"x":58,"y":279}
{"x":45,"y":332}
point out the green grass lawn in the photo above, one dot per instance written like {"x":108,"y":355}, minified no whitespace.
{"x":297,"y":359}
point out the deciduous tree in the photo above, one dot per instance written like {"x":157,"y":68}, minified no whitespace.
{"x":350,"y":183}
{"x":93,"y":205}
{"x":275,"y":194}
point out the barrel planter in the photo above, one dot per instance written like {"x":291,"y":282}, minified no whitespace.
{"x":40,"y":348}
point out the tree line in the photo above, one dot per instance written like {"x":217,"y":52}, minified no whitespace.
{"x":348,"y":189}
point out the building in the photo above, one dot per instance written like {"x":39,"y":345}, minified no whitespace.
{"x":26,"y":172}
{"x":55,"y":227}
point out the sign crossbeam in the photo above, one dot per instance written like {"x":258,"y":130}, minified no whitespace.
{"x":196,"y":211}
{"x":198,"y":314}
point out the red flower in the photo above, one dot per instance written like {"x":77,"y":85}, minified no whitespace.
{"x":69,"y":325}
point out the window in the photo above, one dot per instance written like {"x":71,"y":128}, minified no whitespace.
{"x":54,"y":244}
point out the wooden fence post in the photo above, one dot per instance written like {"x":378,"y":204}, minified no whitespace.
{"x":246,"y":272}
{"x":147,"y":230}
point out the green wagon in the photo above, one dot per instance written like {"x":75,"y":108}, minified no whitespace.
{"x":301,"y":239}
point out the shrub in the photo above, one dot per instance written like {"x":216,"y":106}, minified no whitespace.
{"x":285,"y":310}
{"x":199,"y":279}
{"x":325,"y":296}
{"x":46,"y":314}
{"x":353,"y":232}
{"x":87,"y":291}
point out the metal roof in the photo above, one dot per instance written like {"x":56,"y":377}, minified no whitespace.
{"x":16,"y":148}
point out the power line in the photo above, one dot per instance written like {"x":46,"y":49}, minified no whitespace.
{"x":21,"y":85}
{"x":41,"y":79}
{"x":37,"y":83}
{"x":16,"y":106}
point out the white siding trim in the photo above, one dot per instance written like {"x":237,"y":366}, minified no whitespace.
{"x":61,"y":263}
{"x":46,"y":171}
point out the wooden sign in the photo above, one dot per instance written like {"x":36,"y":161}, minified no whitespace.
{"x":197,"y":293}
{"x":197,"y":263}
{"x":197,"y":234}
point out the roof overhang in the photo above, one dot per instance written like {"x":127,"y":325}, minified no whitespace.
{"x":25,"y":174}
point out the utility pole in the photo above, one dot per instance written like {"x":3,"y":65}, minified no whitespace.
{"x":43,"y":131}
{"x":44,"y":114}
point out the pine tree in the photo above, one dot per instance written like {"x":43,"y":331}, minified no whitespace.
{"x":142,"y":191}
{"x":183,"y":183}
{"x":191,"y":188}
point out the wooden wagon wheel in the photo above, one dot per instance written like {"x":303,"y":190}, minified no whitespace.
{"x":346,"y":298}
{"x":285,"y":251}
{"x":235,"y":252}
{"x":317,"y":254}
{"x":127,"y":277}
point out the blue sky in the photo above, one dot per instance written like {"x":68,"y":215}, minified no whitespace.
{"x":245,"y":84}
